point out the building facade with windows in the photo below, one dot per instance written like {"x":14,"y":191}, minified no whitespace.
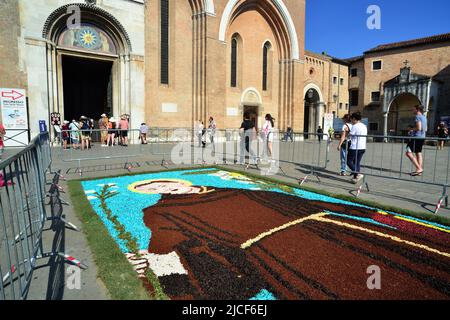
{"x":74,"y":57}
{"x":325,"y":89}
{"x":169,"y":63}
{"x":389,"y":80}
{"x":222,"y":58}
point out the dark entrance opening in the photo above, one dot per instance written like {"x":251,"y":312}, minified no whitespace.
{"x":87,"y":87}
{"x":312,"y":98}
{"x":253,"y":112}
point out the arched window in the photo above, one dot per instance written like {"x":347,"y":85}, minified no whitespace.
{"x":234,"y":61}
{"x":164,"y":41}
{"x":265,"y":75}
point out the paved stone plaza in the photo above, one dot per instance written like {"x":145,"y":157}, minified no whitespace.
{"x":381,"y":160}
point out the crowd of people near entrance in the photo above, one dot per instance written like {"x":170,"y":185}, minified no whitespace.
{"x":79,"y":135}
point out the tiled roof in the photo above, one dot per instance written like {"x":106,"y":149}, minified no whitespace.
{"x":326,"y":57}
{"x":354,"y":59}
{"x":403,"y":44}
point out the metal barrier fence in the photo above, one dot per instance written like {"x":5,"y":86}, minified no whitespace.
{"x":386,"y":157}
{"x":212,"y":147}
{"x":23,"y":213}
{"x":79,"y":146}
{"x":230,"y":147}
{"x":14,"y":136}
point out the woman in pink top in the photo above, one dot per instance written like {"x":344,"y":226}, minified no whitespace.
{"x":124,"y":126}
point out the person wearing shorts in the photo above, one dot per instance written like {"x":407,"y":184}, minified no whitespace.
{"x":143,"y":133}
{"x":124,"y":126}
{"x":75,"y":134}
{"x":65,"y":134}
{"x":415,"y":146}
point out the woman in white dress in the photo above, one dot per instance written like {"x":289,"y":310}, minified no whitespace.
{"x":268,"y":134}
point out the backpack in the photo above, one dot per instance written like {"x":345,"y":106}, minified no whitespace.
{"x":85,"y":126}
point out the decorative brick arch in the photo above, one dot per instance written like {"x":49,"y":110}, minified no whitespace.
{"x":314,"y":87}
{"x":209,"y":7}
{"x":203,"y":6}
{"x":294,"y":50}
{"x":54,"y":24}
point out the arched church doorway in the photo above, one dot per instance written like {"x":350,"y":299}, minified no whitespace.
{"x":88,"y":64}
{"x":87,"y":87}
{"x":251,"y":103}
{"x":312,"y":114}
{"x":401,"y":115}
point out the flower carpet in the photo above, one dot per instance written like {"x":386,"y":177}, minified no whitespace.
{"x":215,"y":234}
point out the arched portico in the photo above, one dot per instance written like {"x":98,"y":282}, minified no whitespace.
{"x":401,"y":94}
{"x":88,"y":64}
{"x":400,"y":113}
{"x":314,"y":108}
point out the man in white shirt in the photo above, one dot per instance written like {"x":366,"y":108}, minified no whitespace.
{"x":344,"y":143}
{"x":357,"y":150}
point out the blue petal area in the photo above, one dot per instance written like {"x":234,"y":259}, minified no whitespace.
{"x":264,"y":295}
{"x":128,"y":206}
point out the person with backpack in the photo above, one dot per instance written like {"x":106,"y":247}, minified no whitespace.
{"x":85,"y":132}
{"x":344,"y":143}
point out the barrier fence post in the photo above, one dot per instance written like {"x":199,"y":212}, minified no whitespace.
{"x":23,"y":214}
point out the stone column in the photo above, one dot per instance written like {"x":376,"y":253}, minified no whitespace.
{"x":312,"y":118}
{"x":320,"y":114}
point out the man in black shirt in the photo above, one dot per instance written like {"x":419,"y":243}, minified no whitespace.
{"x":248,"y":132}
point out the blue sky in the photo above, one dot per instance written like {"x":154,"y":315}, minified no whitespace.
{"x":339,"y":27}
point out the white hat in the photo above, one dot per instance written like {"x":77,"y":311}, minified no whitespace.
{"x":66,"y":122}
{"x":112,"y":119}
{"x":104,"y":116}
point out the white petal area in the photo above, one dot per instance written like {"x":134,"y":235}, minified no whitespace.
{"x":89,"y":191}
{"x":162,"y":265}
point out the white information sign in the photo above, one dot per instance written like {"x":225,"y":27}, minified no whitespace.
{"x":14,"y":111}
